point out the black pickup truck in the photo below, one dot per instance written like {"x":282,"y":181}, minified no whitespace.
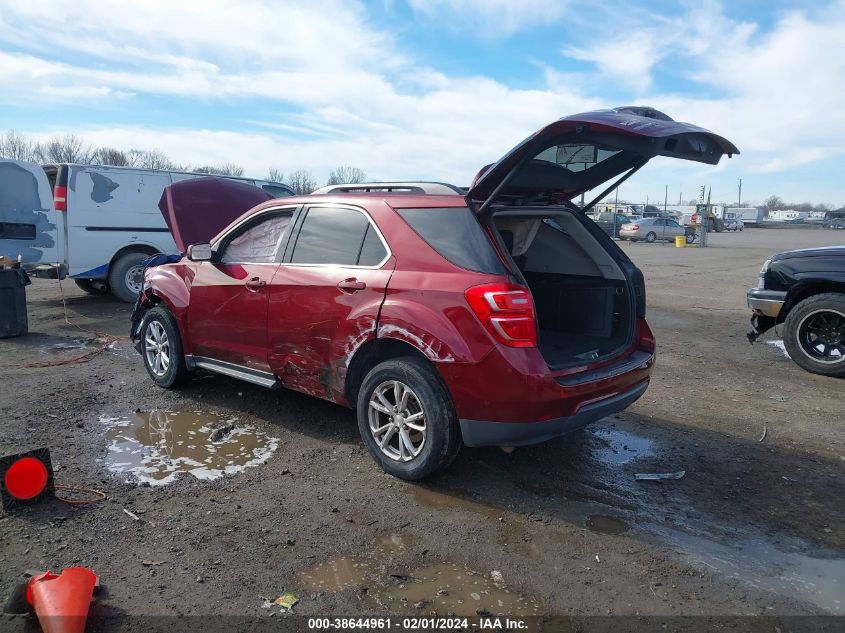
{"x":804,"y":290}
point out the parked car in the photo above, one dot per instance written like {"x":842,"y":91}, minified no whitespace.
{"x":655,"y":229}
{"x":611,"y":222}
{"x":734,"y":225}
{"x":93,"y":223}
{"x":504,"y":317}
{"x":804,"y":290}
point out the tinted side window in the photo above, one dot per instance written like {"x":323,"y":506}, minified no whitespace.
{"x":372,"y":250}
{"x":456,"y":235}
{"x":276,"y":191}
{"x":330,"y":236}
{"x":259,"y":242}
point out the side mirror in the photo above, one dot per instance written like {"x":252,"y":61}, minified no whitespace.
{"x":200,"y":252}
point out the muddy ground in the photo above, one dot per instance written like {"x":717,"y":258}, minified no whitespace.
{"x":753,"y":528}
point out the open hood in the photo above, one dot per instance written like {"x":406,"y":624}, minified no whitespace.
{"x":580,"y":152}
{"x":198,"y":209}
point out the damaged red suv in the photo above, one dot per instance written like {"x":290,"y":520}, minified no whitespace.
{"x":500,"y":317}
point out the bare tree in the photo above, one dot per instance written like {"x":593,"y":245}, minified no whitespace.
{"x":302,"y":181}
{"x":110,"y":156}
{"x":346,"y":175}
{"x":67,"y":148}
{"x":275,"y":175}
{"x":224,"y":169}
{"x":17,"y":147}
{"x":772,"y":203}
{"x":151,"y":159}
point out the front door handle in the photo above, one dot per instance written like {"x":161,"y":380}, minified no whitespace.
{"x":351,"y":285}
{"x":255,"y":284}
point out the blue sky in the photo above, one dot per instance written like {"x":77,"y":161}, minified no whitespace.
{"x":434,"y":89}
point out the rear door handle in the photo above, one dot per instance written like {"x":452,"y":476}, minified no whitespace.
{"x":351,"y":285}
{"x":255,"y":284}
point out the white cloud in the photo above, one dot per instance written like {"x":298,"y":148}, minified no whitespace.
{"x":358,"y":97}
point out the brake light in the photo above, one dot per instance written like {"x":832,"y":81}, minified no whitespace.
{"x":60,"y":198}
{"x":634,"y":227}
{"x":507,"y":311}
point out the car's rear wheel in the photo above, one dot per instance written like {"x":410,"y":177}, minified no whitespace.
{"x":407,"y":420}
{"x":690,"y":237}
{"x":651,"y":237}
{"x":126,"y":276}
{"x":815,"y":334}
{"x":161,"y":348}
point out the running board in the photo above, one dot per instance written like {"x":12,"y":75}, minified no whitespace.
{"x":255,"y":376}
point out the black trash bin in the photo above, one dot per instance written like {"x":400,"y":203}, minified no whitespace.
{"x":13,"y":283}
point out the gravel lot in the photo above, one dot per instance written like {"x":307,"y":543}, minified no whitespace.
{"x":754,"y":527}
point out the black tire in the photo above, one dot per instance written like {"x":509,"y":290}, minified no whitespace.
{"x":176,"y":372}
{"x":819,"y":319}
{"x":442,"y":438}
{"x":651,"y":237}
{"x":127,"y":266}
{"x":86,"y":285}
{"x":690,"y":237}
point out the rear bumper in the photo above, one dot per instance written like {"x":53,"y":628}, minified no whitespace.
{"x":484,"y":433}
{"x":766,"y":302}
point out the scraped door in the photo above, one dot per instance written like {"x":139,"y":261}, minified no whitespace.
{"x":324,"y":300}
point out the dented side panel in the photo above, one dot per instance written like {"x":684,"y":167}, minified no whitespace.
{"x":315,"y":328}
{"x":29,"y":225}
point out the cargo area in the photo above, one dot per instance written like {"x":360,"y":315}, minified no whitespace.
{"x":584,"y":308}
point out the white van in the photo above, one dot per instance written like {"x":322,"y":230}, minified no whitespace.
{"x":93,"y":223}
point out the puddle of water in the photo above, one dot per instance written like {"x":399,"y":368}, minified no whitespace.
{"x":157,"y":446}
{"x":335,"y":574}
{"x":67,"y":344}
{"x":451,"y":588}
{"x":779,"y":345}
{"x":621,"y":447}
{"x":439,"y":587}
{"x":605,"y":524}
{"x":443,"y":501}
{"x":819,"y":580}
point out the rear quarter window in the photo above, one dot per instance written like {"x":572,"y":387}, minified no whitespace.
{"x":455,"y":233}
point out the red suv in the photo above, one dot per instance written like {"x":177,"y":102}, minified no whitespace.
{"x":501,"y":317}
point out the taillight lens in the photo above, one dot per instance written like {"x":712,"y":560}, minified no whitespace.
{"x":507,"y":311}
{"x":60,"y":198}
{"x":634,"y":227}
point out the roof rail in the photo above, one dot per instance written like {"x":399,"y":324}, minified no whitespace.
{"x":413,"y":187}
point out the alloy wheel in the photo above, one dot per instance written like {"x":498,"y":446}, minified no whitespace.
{"x":397,"y":420}
{"x":821,"y":336}
{"x":157,"y":348}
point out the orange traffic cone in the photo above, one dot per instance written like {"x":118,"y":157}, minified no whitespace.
{"x":61,"y":602}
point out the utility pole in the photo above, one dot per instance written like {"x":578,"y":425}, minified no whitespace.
{"x":665,"y":199}
{"x":739,"y":194}
{"x":680,"y":197}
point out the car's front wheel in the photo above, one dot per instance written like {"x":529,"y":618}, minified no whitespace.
{"x":407,"y":420}
{"x":815,"y":334}
{"x":161,"y":347}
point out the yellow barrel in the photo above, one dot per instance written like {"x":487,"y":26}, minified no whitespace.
{"x":680,"y":241}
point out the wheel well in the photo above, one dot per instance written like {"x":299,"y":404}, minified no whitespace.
{"x":803,"y":291}
{"x":371,"y":354}
{"x":146,"y":249}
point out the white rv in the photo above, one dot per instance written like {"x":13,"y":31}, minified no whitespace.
{"x":93,"y":223}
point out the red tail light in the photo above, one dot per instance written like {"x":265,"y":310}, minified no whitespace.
{"x":507,"y":311}
{"x":60,"y":198}
{"x":634,"y":227}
